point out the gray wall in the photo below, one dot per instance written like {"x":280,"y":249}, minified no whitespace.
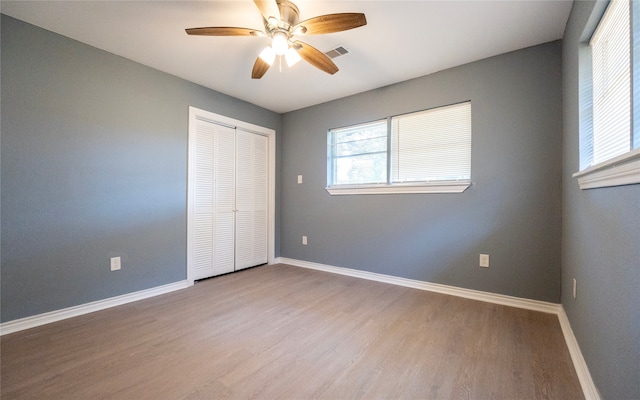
{"x":512,"y":210}
{"x":600,"y":248}
{"x":94,"y":165}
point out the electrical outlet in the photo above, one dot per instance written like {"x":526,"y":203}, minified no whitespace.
{"x":304,"y":240}
{"x":484,"y":260}
{"x":115,"y":263}
{"x":575,"y":287}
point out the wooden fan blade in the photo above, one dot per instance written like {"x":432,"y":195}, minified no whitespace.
{"x":224,"y":31}
{"x":330,"y":23}
{"x":315,"y":57}
{"x":259,"y":68}
{"x":268,"y":8}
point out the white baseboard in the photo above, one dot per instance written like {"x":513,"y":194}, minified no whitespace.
{"x":535,"y":305}
{"x":58,"y":315}
{"x":588,"y":386}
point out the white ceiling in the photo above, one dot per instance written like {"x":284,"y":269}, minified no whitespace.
{"x":402,"y":40}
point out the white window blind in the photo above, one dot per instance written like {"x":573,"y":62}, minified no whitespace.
{"x":359,"y":154}
{"x":610,"y":45}
{"x":432,"y":145}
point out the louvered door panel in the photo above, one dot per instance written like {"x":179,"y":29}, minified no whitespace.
{"x":244,"y":200}
{"x":224,"y":199}
{"x":251,"y":198}
{"x":202,"y":254}
{"x":260,"y":198}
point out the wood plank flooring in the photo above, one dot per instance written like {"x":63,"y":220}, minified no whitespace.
{"x":283,"y":332}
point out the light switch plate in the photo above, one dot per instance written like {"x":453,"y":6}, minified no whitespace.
{"x":484,"y":260}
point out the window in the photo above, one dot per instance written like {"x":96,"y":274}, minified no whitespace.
{"x":609,"y":155}
{"x":359,"y":154}
{"x":422,"y":152}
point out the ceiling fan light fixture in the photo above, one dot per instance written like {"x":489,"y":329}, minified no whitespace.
{"x":280,"y":43}
{"x":268,"y":55}
{"x":292,"y":57}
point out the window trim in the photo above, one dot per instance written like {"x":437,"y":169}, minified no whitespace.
{"x":618,"y":171}
{"x":401,"y":188}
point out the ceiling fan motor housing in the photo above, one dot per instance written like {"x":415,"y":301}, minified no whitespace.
{"x":289,"y":13}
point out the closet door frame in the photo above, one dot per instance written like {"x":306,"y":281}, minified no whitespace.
{"x":199,"y":114}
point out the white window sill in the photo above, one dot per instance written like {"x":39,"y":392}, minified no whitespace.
{"x":400,"y":188}
{"x":622,"y":170}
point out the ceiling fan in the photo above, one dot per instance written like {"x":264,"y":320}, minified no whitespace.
{"x":281,"y":24}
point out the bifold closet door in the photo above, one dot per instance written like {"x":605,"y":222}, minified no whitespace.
{"x":230,"y":199}
{"x":251,"y":199}
{"x":213,"y":200}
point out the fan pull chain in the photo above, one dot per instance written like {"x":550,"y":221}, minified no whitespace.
{"x":280,"y":62}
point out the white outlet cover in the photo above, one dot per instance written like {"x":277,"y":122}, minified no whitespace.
{"x":115,"y":263}
{"x":299,"y":179}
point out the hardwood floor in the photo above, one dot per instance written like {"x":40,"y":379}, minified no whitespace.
{"x":282,"y":332}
